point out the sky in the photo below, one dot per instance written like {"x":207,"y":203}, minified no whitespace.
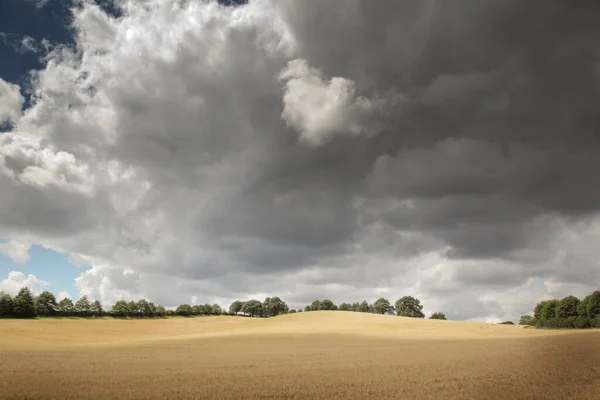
{"x":187,"y":152}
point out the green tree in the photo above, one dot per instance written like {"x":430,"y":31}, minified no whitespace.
{"x":253,"y":308}
{"x":550,"y":309}
{"x":235,"y":307}
{"x":527,"y":320}
{"x":206,"y":309}
{"x":184,"y":310}
{"x":120,"y":309}
{"x":274,"y":306}
{"x":216,"y":309}
{"x":83,"y":307}
{"x":593,"y":306}
{"x":292,"y":311}
{"x":328,"y":305}
{"x":314,"y":306}
{"x":537,"y":311}
{"x":161,"y":311}
{"x":408,"y":306}
{"x":363,"y":307}
{"x":582,"y":307}
{"x":132,"y":309}
{"x":567,"y":307}
{"x":66,"y":307}
{"x":382,"y":306}
{"x":548,"y":315}
{"x":45,"y":304}
{"x":96,"y":308}
{"x":146,"y":308}
{"x":6,"y":305}
{"x":438,"y":315}
{"x":197,"y":309}
{"x":24,"y":305}
{"x":345,"y":307}
{"x":356,"y":306}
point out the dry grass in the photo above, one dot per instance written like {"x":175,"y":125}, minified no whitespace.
{"x":322,"y":355}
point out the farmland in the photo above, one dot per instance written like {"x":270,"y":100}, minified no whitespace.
{"x":309,"y":355}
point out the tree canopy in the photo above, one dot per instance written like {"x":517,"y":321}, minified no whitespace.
{"x":408,"y":306}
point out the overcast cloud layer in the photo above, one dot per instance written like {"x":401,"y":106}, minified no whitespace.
{"x":308,"y":149}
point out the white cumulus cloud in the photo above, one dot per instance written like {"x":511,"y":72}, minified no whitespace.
{"x":16,"y":251}
{"x":17,"y":280}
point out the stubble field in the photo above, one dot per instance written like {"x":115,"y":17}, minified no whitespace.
{"x":317,"y":355}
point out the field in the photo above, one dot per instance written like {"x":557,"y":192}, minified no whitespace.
{"x":318,"y":355}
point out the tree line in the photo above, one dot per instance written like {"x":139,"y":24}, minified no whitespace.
{"x":569,"y":312}
{"x":26,"y":305}
{"x":406,"y":306}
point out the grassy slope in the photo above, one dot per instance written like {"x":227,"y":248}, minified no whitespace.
{"x":53,"y":333}
{"x":317,"y":355}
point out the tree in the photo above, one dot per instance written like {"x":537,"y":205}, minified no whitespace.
{"x":567,"y":307}
{"x":549,"y":310}
{"x":345,"y":307}
{"x":328,"y":305}
{"x":132,"y":309}
{"x":161,"y":311}
{"x":235,"y":307}
{"x":593,"y":306}
{"x":6,"y":305}
{"x":197,"y":310}
{"x":253,"y":308}
{"x":355,"y":306}
{"x":145,"y":308}
{"x":274,"y":306}
{"x":292,"y":311}
{"x":23,"y":304}
{"x":408,"y":306}
{"x":537,"y":311}
{"x":314,"y":306}
{"x":83,"y":306}
{"x":548,"y":315}
{"x":507,"y":323}
{"x":363,"y":307}
{"x":527,"y":320}
{"x":438,"y":315}
{"x":185,"y":310}
{"x":120,"y":309}
{"x":216,"y":309}
{"x":382,"y":306}
{"x":45,"y":304}
{"x":66,"y":307}
{"x":96,"y":308}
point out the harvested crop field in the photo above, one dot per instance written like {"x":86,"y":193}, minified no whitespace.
{"x":317,"y":355}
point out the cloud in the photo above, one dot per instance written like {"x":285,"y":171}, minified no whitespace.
{"x":11,"y":102}
{"x":319,"y":109}
{"x":16,"y":251}
{"x":23,"y":44}
{"x":63,"y":295}
{"x":17,"y":280}
{"x":190,"y":152}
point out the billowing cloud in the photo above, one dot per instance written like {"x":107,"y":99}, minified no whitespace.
{"x":17,"y":280}
{"x":17,"y":251}
{"x":319,"y":109}
{"x":195,"y":153}
{"x":11,"y":102}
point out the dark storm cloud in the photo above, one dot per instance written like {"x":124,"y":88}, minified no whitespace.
{"x":518,"y":79}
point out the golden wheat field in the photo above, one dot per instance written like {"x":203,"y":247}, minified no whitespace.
{"x":317,"y":355}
